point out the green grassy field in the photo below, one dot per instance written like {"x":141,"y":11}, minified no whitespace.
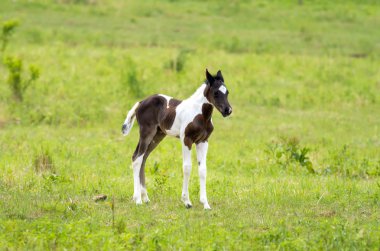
{"x":296,"y":167}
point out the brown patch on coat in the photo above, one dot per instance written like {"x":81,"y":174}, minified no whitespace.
{"x":174,"y":102}
{"x":150,"y":109}
{"x":169,"y":114}
{"x":148,"y":114}
{"x":154,"y":116}
{"x":200,"y":129}
{"x":155,"y":111}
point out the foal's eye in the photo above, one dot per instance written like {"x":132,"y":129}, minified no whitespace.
{"x":216,"y":94}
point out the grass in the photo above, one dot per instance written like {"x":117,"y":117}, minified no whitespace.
{"x":300,"y":77}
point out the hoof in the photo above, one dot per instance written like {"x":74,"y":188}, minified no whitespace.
{"x":137,"y":200}
{"x":206,"y":207}
{"x":146,"y":200}
{"x":186,"y":201}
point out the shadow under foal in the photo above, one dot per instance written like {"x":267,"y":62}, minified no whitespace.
{"x":189,"y":120}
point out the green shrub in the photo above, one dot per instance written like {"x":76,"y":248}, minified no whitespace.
{"x":129,"y":78}
{"x":15,"y":80}
{"x":287,"y":151}
{"x":178,"y":63}
{"x":7,"y":30}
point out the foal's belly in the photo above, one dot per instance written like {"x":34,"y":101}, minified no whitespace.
{"x":175,"y":129}
{"x":174,"y":133}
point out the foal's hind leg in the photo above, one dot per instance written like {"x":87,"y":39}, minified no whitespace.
{"x":146,"y":136}
{"x":153,"y":144}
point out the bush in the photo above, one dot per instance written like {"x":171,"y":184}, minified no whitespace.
{"x":178,"y":63}
{"x":15,"y":65}
{"x":129,"y":78}
{"x":15,"y":80}
{"x":287,"y":151}
{"x":7,"y":30}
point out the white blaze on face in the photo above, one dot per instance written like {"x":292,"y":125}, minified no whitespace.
{"x":223,"y":89}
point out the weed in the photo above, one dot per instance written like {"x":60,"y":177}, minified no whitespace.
{"x":345,"y":162}
{"x":137,"y":237}
{"x":113,"y":211}
{"x":159,"y":175}
{"x":178,"y":63}
{"x":160,"y":182}
{"x":7,"y":30}
{"x":51,"y":180}
{"x":121,"y":226}
{"x":43,"y":162}
{"x":155,"y":168}
{"x":129,"y":78}
{"x":15,"y":80}
{"x":287,"y":151}
{"x":15,"y":65}
{"x":72,"y":205}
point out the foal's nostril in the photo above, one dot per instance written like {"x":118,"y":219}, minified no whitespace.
{"x":227,"y":110}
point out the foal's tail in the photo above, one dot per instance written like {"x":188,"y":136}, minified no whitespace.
{"x":128,"y":123}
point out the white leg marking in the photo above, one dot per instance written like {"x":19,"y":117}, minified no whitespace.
{"x":202,"y":170}
{"x":186,"y":154}
{"x":136,"y":179}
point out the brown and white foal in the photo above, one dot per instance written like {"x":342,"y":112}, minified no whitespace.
{"x":189,"y":120}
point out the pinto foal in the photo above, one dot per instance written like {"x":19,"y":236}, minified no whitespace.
{"x":189,"y":120}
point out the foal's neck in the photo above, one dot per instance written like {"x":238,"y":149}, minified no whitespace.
{"x":198,"y":96}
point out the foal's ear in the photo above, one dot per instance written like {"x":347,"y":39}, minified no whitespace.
{"x":210,"y":78}
{"x":219,"y":75}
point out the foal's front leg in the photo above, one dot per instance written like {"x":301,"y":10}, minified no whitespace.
{"x":186,"y":154}
{"x":201,"y":156}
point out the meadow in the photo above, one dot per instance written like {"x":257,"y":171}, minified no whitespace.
{"x":296,"y":166}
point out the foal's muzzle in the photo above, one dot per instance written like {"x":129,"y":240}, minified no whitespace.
{"x":227,"y":111}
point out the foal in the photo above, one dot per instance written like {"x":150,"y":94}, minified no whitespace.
{"x":189,"y":120}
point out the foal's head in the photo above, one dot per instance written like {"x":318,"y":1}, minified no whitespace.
{"x":217,"y":93}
